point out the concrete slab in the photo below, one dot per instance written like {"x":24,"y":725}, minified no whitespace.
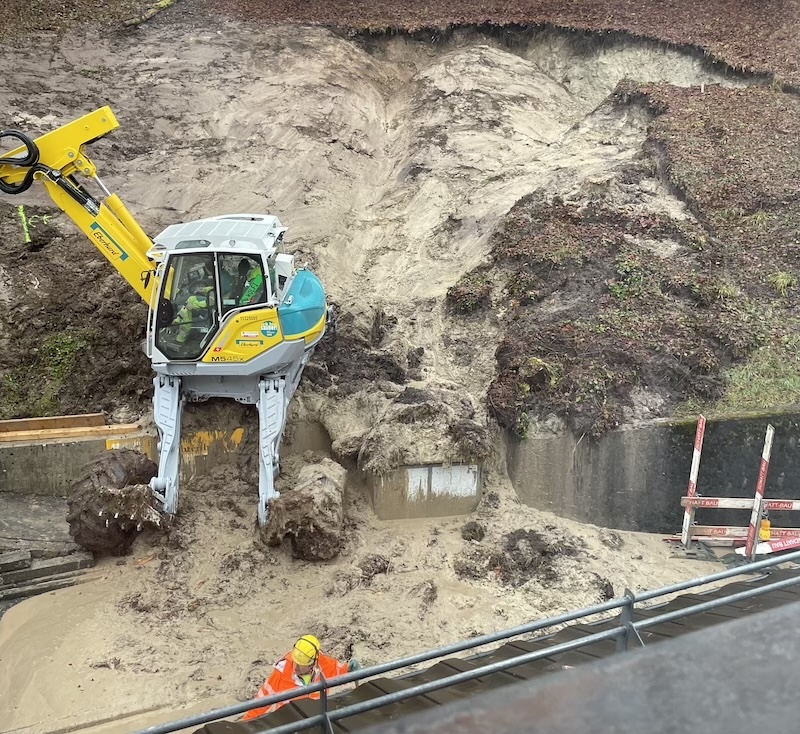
{"x":14,"y":560}
{"x":40,"y":568}
{"x":35,"y":523}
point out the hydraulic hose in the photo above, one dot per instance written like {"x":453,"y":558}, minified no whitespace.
{"x":29,"y":160}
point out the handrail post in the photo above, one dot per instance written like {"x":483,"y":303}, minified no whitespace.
{"x":625,"y":620}
{"x":325,"y":725}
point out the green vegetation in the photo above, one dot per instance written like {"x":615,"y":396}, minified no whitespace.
{"x":782,"y":282}
{"x":472,"y":292}
{"x":769,"y":379}
{"x":33,"y":389}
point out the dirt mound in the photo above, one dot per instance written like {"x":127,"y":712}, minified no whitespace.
{"x":111,"y":501}
{"x":518,"y":557}
{"x":310,"y":516}
{"x":71,"y":327}
{"x":380,"y":421}
{"x":620,"y":310}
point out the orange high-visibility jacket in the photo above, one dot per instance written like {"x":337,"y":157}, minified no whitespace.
{"x":283,"y":678}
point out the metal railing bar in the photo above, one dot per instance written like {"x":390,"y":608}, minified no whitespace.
{"x":463,"y":677}
{"x":713,"y":603}
{"x":719,"y":576}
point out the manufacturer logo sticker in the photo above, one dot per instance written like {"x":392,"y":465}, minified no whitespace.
{"x":269,"y":328}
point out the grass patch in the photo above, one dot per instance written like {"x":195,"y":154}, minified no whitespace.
{"x":782,"y":282}
{"x":34,"y":388}
{"x":770,"y":378}
{"x":472,"y":293}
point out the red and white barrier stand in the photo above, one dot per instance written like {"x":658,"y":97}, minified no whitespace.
{"x":727,"y":535}
{"x":688,"y":515}
{"x":772,"y":546}
{"x":758,"y":505}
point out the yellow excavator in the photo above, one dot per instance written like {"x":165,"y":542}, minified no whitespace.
{"x":230,"y":316}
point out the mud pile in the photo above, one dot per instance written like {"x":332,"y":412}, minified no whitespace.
{"x":311,"y":515}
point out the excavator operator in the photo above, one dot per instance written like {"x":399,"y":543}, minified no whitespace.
{"x":197,"y":305}
{"x":303,"y":665}
{"x":253,"y":275}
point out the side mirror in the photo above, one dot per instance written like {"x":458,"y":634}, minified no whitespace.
{"x":166,"y":313}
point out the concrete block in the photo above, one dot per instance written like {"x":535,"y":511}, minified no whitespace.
{"x":433,"y":490}
{"x":48,"y":567}
{"x":14,"y":560}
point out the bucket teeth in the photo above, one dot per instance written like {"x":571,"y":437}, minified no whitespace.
{"x":139,"y":527}
{"x":106,"y":522}
{"x":116,"y":515}
{"x":100,"y":514}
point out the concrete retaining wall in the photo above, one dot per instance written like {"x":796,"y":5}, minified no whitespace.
{"x":426,"y":491}
{"x":633,"y":478}
{"x":49,"y":467}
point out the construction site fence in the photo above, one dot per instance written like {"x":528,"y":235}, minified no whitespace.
{"x":624,"y":633}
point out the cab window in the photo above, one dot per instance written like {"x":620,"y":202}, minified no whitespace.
{"x":187,"y":317}
{"x":242,"y":281}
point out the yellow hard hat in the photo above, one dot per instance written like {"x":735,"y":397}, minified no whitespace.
{"x":305,"y":650}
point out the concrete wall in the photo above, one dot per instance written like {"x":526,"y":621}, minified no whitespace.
{"x":49,"y":467}
{"x":633,"y":478}
{"x":45,"y":468}
{"x":432,"y":490}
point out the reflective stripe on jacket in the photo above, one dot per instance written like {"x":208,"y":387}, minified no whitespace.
{"x":283,"y":678}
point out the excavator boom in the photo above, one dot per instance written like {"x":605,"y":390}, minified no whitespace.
{"x":56,"y":159}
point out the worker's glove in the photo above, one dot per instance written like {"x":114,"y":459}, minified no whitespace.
{"x":353,"y":664}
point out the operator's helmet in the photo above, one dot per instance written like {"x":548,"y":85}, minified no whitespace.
{"x":245,"y":265}
{"x":306,"y":650}
{"x":200,"y":285}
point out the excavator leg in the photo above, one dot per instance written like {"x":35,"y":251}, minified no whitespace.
{"x":271,"y":420}
{"x":167,"y":410}
{"x":274,"y":395}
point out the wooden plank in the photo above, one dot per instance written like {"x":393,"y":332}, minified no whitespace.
{"x":23,"y":592}
{"x":58,"y":421}
{"x":39,"y":548}
{"x":83,"y":432}
{"x":14,"y":560}
{"x":737,"y":503}
{"x":49,"y":567}
{"x":730,"y":531}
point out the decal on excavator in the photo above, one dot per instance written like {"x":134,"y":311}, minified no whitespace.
{"x":236,"y":342}
{"x":106,"y":241}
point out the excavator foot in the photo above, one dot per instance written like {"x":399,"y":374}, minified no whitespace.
{"x":111,"y":501}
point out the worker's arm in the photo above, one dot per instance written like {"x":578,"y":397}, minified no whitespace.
{"x":270,"y":686}
{"x":56,"y":159}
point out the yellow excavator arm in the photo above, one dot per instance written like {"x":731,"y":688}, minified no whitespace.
{"x":56,"y":159}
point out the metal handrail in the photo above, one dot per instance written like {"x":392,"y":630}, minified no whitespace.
{"x":621,"y":632}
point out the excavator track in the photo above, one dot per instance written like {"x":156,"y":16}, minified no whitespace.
{"x":111,"y":501}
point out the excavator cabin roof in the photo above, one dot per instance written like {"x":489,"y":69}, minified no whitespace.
{"x":233,"y":232}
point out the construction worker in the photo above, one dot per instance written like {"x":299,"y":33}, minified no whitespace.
{"x":195,"y":309}
{"x":253,"y":275}
{"x":302,"y":666}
